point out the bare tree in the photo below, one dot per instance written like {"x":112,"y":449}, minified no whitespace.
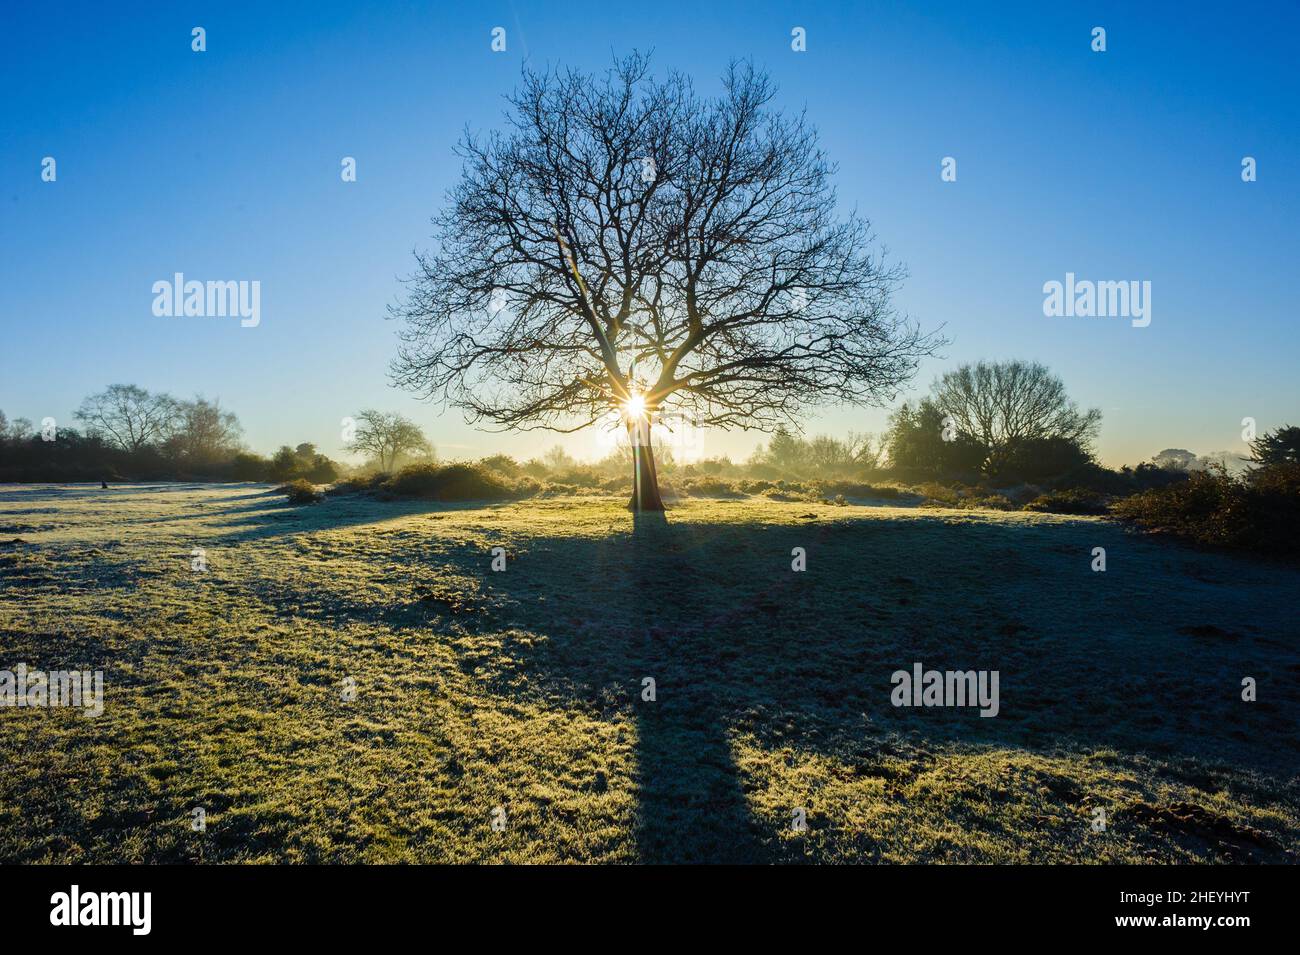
{"x":387,"y":435}
{"x":129,"y":416}
{"x":20,"y":429}
{"x":626,"y":248}
{"x":1003,"y":404}
{"x":1176,"y":459}
{"x":865,"y":449}
{"x":557,"y":459}
{"x":204,"y":433}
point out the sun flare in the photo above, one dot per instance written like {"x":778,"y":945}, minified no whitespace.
{"x":634,"y":406}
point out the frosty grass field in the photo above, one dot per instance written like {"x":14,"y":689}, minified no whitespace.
{"x":522,"y":689}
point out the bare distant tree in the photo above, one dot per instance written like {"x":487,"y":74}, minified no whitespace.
{"x":17,"y":430}
{"x":203,"y":433}
{"x":660,"y":448}
{"x":129,"y":416}
{"x":627,"y":248}
{"x":1001,"y":404}
{"x":1177,"y":459}
{"x":387,"y":436}
{"x":865,"y":449}
{"x":20,"y":429}
{"x":557,"y":459}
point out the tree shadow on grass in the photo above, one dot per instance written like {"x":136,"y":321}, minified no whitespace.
{"x":737,"y":641}
{"x":691,"y":806}
{"x":1143,"y":660}
{"x":282,"y":519}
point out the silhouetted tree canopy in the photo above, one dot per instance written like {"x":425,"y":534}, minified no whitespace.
{"x":1009,"y":405}
{"x":202,"y":434}
{"x":916,"y":444}
{"x":1176,"y":459}
{"x":128,"y":416}
{"x":304,"y":462}
{"x":1277,"y":447}
{"x":625,"y":234}
{"x":135,"y":435}
{"x":1010,"y":419}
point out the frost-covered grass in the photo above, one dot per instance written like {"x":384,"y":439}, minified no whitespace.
{"x":522,"y":689}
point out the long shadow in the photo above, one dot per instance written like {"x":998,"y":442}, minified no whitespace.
{"x":280,"y":519}
{"x":1144,"y":659}
{"x":691,"y":806}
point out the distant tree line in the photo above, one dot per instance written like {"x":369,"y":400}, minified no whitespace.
{"x":989,"y":423}
{"x":130,"y":434}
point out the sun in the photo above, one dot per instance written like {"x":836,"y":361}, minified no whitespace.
{"x":634,"y":406}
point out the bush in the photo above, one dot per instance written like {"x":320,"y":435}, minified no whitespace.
{"x":322,"y":470}
{"x":250,"y":467}
{"x":359,"y":484}
{"x":301,"y":492}
{"x":577,"y":476}
{"x":856,"y":489}
{"x":1147,"y":476}
{"x":1041,"y":459}
{"x":938,"y":493}
{"x":1071,"y":501}
{"x":703,"y":487}
{"x":449,"y":482}
{"x":996,"y":502}
{"x":304,"y":461}
{"x":502,"y":464}
{"x":1260,"y":514}
{"x":527,"y":487}
{"x":790,"y":492}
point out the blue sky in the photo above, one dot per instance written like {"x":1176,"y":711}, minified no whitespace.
{"x":1123,"y":165}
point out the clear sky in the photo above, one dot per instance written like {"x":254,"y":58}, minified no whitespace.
{"x":1122,"y":165}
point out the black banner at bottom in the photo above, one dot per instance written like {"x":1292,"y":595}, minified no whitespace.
{"x":336,"y":904}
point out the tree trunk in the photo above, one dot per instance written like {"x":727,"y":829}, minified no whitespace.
{"x":645,"y":482}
